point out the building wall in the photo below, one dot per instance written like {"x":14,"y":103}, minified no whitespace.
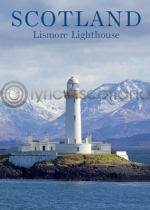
{"x":85,"y":148}
{"x":73,"y":120}
{"x":24,"y":147}
{"x":100,"y":148}
{"x":73,"y":148}
{"x":69,"y":120}
{"x":36,"y":146}
{"x":8,"y":151}
{"x":28,"y":159}
{"x":77,"y":121}
{"x":122,"y":154}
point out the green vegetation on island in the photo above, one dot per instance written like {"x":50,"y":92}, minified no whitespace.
{"x":94,"y":159}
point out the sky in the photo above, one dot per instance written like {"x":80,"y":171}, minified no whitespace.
{"x":47,"y":64}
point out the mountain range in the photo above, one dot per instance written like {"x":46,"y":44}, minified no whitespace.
{"x":111,"y":111}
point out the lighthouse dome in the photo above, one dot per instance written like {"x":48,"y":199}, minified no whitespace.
{"x":72,"y":80}
{"x":72,"y":84}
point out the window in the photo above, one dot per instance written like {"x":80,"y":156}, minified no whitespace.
{"x":69,"y":86}
{"x":76,"y":85}
{"x":51,"y":148}
{"x":43,"y":148}
{"x":77,"y":149}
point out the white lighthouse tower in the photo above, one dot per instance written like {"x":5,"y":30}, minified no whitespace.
{"x":73,"y":112}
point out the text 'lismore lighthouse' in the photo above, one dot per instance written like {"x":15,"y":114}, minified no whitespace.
{"x":73,"y":112}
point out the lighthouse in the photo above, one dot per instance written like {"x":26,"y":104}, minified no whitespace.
{"x":34,"y":151}
{"x":73,"y":112}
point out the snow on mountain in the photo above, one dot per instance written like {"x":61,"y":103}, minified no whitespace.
{"x":109,"y":111}
{"x":15,"y":123}
{"x":112,"y":105}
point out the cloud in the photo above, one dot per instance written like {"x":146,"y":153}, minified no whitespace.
{"x":43,"y":64}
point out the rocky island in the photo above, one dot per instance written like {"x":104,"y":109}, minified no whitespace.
{"x":79,"y":168}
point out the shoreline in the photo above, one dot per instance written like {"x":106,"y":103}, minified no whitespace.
{"x":104,"y":168}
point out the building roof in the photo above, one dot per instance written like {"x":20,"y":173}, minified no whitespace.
{"x":72,"y":80}
{"x":35,"y":140}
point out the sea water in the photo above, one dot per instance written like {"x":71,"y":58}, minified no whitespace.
{"x":136,"y":153}
{"x":60,"y":195}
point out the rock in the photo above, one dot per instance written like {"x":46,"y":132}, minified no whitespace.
{"x":77,"y":172}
